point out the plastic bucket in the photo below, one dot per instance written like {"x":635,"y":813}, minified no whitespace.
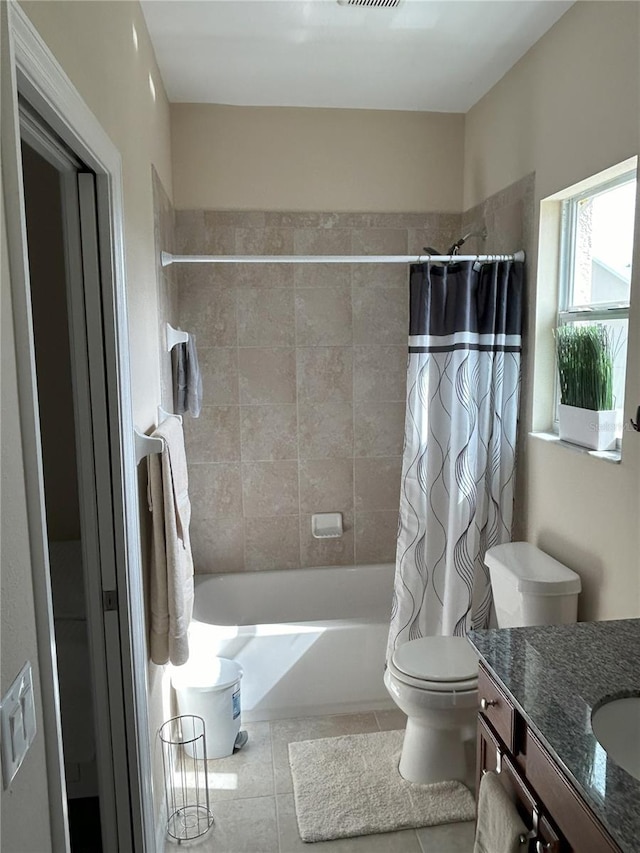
{"x":211,"y":690}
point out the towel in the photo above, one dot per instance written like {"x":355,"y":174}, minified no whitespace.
{"x":171,"y":583}
{"x":499,"y":826}
{"x":187,"y":378}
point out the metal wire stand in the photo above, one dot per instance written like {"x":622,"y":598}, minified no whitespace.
{"x":186,"y":785}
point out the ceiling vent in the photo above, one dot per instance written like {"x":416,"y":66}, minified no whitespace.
{"x":373,"y":4}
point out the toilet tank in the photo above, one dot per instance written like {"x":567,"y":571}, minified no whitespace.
{"x":530,"y":587}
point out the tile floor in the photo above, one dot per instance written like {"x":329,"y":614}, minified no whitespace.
{"x":251,"y":794}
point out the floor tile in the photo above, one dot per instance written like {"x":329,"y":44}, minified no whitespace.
{"x":450,"y":838}
{"x":391,"y":721}
{"x":240,"y":782}
{"x":290,"y":841}
{"x":242,"y":826}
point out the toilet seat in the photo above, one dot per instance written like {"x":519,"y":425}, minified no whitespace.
{"x":438,"y":664}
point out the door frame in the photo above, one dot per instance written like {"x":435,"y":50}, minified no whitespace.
{"x":36,"y":75}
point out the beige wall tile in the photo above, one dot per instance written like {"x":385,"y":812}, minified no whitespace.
{"x":189,"y":236}
{"x":377,"y":483}
{"x":214,"y":219}
{"x":218,"y":240}
{"x":215,"y":491}
{"x":267,"y":375}
{"x":324,"y":374}
{"x":207,"y":306}
{"x":270,"y":488}
{"x":214,"y":436}
{"x":380,"y":315}
{"x":378,"y":429}
{"x":217,"y":544}
{"x":272,"y":543}
{"x":322,"y":241}
{"x":322,"y":275}
{"x":325,"y":430}
{"x":264,"y":241}
{"x":269,"y":432}
{"x":219,"y":371}
{"x":326,"y":485}
{"x":380,"y":373}
{"x":304,"y":366}
{"x":323,"y":317}
{"x":259,"y":275}
{"x":380,"y":275}
{"x":439,"y":236}
{"x":376,"y":535}
{"x":265,"y":317}
{"x":379,"y":241}
{"x":326,"y":552}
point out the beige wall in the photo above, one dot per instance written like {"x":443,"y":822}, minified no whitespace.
{"x":265,"y":158}
{"x":567,"y":110}
{"x":93,"y":42}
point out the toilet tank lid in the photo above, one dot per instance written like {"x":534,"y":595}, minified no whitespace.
{"x":536,"y":573}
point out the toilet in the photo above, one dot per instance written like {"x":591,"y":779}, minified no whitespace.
{"x":434,"y":680}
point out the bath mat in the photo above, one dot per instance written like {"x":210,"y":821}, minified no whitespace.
{"x":350,"y":785}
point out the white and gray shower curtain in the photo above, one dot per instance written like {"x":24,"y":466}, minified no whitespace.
{"x":460,"y":440}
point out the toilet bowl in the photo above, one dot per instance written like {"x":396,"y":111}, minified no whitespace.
{"x":434,"y":680}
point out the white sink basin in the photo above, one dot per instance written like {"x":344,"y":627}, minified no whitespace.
{"x":616,"y":725}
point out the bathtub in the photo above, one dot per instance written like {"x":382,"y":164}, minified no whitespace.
{"x":310,"y":641}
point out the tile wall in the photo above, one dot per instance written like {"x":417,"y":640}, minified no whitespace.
{"x":304,"y":372}
{"x":509,"y":217}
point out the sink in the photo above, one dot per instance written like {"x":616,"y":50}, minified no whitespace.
{"x":616,"y":726}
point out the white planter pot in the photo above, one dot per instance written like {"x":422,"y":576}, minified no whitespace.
{"x":595,"y":430}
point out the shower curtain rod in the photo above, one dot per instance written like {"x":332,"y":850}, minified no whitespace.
{"x":167,"y":259}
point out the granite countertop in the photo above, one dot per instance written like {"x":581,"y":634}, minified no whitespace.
{"x":557,"y":675}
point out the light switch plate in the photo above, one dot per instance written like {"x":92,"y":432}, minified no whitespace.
{"x":17,"y":723}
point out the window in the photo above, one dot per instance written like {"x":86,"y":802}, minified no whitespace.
{"x":596,"y":255}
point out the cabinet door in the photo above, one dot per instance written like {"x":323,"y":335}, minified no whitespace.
{"x":493,"y":756}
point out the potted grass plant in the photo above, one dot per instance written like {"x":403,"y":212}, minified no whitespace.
{"x":585,"y":365}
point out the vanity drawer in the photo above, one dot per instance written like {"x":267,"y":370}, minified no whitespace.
{"x":497,"y":709}
{"x":491,"y":757}
{"x":574,"y":818}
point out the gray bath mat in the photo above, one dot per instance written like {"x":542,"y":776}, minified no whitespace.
{"x":350,"y":785}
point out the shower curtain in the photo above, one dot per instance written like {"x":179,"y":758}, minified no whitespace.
{"x":460,"y":439}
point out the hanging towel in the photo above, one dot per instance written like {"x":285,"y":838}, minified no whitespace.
{"x":187,"y":378}
{"x":171,"y":584}
{"x":499,"y":827}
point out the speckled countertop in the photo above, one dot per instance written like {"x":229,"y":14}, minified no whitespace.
{"x":557,"y":675}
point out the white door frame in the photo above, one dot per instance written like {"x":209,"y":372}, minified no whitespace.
{"x":35,"y":74}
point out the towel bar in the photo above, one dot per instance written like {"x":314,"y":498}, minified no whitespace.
{"x":175,"y":336}
{"x":146,"y":444}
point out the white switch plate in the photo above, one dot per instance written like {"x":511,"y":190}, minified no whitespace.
{"x":17,"y":723}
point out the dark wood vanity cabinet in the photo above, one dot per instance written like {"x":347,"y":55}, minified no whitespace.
{"x":558,"y":818}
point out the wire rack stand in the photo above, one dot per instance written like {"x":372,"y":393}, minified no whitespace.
{"x":186,"y":784}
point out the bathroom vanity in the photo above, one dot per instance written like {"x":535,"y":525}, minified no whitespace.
{"x":537,"y":689}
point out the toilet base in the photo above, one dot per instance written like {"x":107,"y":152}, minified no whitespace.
{"x":431,"y":754}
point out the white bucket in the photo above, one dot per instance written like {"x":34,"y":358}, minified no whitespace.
{"x":211,"y":690}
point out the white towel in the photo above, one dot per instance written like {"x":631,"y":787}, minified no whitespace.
{"x":171,"y":584}
{"x":499,"y":825}
{"x":187,"y":378}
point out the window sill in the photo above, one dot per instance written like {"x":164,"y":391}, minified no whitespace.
{"x":614,"y":456}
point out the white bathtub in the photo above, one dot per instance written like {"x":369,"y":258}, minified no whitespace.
{"x":310,"y":641}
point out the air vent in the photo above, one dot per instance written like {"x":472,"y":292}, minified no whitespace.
{"x":374,"y":4}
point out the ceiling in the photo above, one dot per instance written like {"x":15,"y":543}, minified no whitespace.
{"x":440,"y":55}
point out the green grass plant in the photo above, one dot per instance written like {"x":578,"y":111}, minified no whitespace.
{"x":585,"y":364}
